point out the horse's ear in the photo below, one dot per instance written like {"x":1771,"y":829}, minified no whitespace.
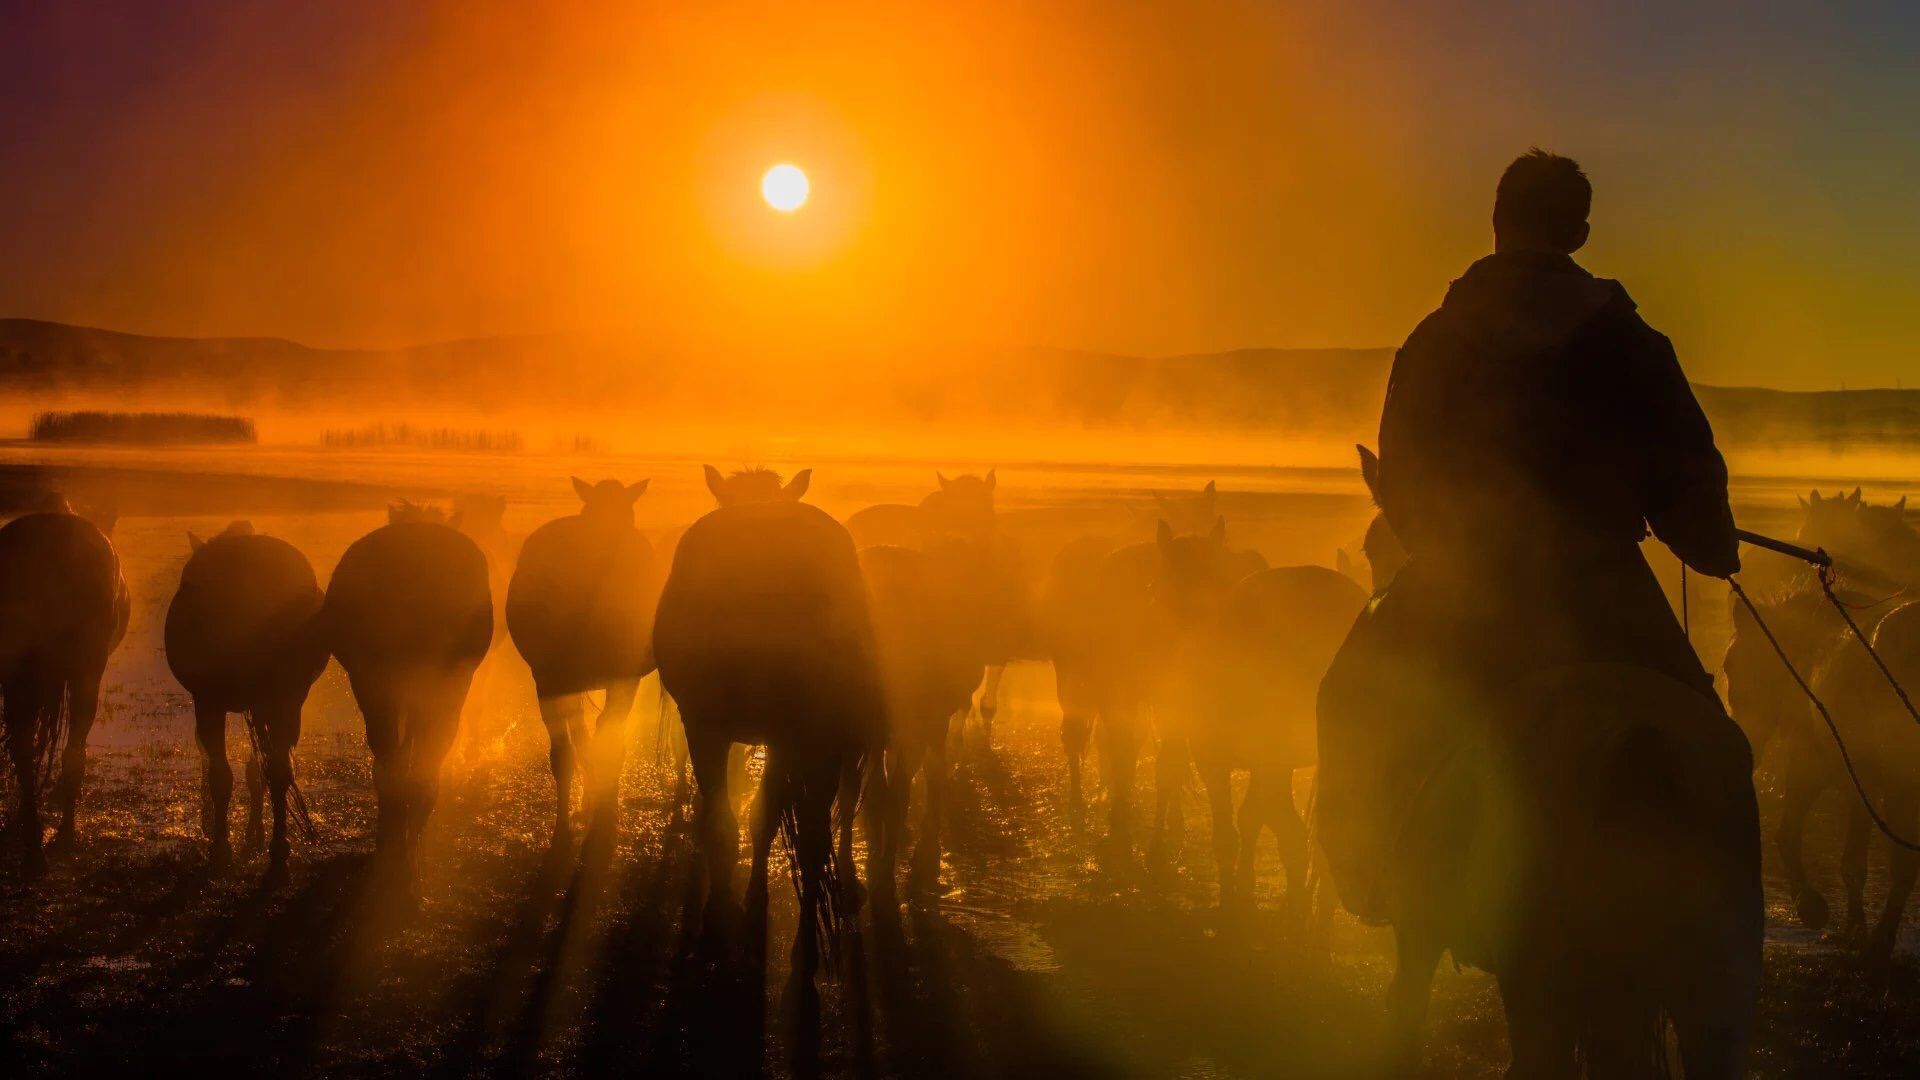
{"x":714,"y":480}
{"x":944,"y":482}
{"x":1370,"y":470}
{"x":1855,"y":497}
{"x":1219,"y":533}
{"x":1163,"y":535}
{"x":1813,"y":497}
{"x":991,"y":480}
{"x":796,"y":488}
{"x":582,"y":488}
{"x":1901,"y":504}
{"x":1208,"y":491}
{"x":1802,"y":500}
{"x":194,"y":543}
{"x":637,"y":489}
{"x":1342,"y":562}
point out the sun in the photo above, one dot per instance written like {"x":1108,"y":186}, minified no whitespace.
{"x":785,"y":187}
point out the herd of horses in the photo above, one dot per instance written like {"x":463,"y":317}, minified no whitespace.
{"x":848,"y":650}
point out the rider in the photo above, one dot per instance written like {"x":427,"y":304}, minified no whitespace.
{"x":1534,"y":428}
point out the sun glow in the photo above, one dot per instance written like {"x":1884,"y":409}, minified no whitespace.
{"x":785,"y":187}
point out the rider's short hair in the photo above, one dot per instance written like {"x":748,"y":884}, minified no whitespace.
{"x":1542,"y":197}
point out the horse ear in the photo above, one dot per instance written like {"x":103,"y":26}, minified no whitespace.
{"x":582,"y":488}
{"x":944,"y":482}
{"x":1855,"y":497}
{"x":1370,"y":470}
{"x":637,"y":488}
{"x":194,"y":543}
{"x":1208,"y":490}
{"x":714,"y":480}
{"x":1163,"y":535}
{"x":1813,"y":497}
{"x":991,"y":480}
{"x":797,"y":487}
{"x":1219,"y":533}
{"x":1802,"y":500}
{"x":1342,"y":562}
{"x":1901,"y":505}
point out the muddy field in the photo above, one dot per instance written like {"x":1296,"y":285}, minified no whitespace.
{"x":1038,"y":959}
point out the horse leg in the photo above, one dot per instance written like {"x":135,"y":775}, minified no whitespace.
{"x":853,"y":773}
{"x":903,"y":761}
{"x":83,"y":703}
{"x":216,"y":780}
{"x":560,"y":712}
{"x":380,"y":710}
{"x":714,"y":824}
{"x":23,"y":710}
{"x":1255,"y":814}
{"x":924,"y":876}
{"x":1853,"y":873}
{"x":778,"y":791}
{"x":256,"y":792}
{"x":1218,"y":780}
{"x":811,"y":799}
{"x":1290,"y":832}
{"x":990,"y":698}
{"x":279,"y":731}
{"x":1902,"y":864}
{"x":438,"y":714}
{"x":1802,"y":786}
{"x":1119,"y":736}
{"x":608,"y":755}
{"x":1172,"y":763}
{"x":1540,"y":1039}
{"x":1417,"y":953}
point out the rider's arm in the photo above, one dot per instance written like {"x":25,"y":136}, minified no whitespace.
{"x":1680,"y":475}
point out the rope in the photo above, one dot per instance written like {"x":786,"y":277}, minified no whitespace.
{"x":1846,"y":758}
{"x":1826,"y":586}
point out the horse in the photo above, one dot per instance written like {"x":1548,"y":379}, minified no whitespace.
{"x":764,"y":636}
{"x":931,"y":639}
{"x":1520,"y":829}
{"x":1248,"y":653}
{"x":1382,"y":549}
{"x":63,"y":610}
{"x":579,"y":610}
{"x":961,"y":511}
{"x":243,"y":635}
{"x":409,"y":615}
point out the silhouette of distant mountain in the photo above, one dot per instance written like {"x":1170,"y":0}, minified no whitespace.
{"x":1314,"y":391}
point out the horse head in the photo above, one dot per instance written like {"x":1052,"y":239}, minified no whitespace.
{"x":963,"y":506}
{"x":1187,"y":513}
{"x":609,"y":502}
{"x":755,"y":485}
{"x":1195,"y":571}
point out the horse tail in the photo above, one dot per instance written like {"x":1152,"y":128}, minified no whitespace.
{"x":50,"y":722}
{"x":834,"y":914}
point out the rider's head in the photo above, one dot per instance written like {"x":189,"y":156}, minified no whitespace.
{"x":1541,"y":205}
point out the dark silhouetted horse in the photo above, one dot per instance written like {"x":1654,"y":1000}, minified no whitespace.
{"x":243,"y":635}
{"x":63,"y":609}
{"x":1247,"y":655}
{"x":579,"y":609}
{"x":409,"y":615}
{"x":764,"y":637}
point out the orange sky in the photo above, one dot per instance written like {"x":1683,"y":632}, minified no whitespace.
{"x":1140,"y":178}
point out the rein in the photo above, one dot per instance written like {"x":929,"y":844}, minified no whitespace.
{"x":1825,"y":568}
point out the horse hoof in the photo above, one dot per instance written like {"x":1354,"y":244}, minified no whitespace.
{"x":1812,"y":909}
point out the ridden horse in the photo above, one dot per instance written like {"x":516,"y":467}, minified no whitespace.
{"x":579,"y":610}
{"x":763,"y":636}
{"x":409,"y":615}
{"x":961,"y":512}
{"x":931,"y":635}
{"x":243,"y":635}
{"x":1588,"y":834}
{"x":1248,"y":652}
{"x":63,"y":609}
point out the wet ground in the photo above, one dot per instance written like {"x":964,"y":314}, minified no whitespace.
{"x":1038,"y":959}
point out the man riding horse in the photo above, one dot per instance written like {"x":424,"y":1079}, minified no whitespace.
{"x":1535,"y":427}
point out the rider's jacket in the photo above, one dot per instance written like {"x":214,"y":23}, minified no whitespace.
{"x":1536,"y":412}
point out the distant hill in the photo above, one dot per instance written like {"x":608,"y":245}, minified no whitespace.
{"x":1315,"y":391}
